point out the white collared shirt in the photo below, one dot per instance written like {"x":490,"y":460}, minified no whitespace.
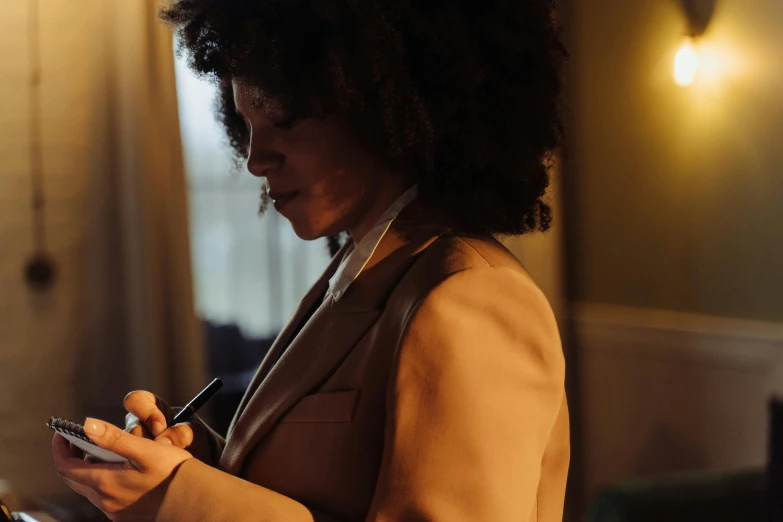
{"x":353,"y":263}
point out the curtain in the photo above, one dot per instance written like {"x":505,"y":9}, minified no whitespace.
{"x":141,"y":238}
{"x":249,"y":271}
{"x":120,"y":314}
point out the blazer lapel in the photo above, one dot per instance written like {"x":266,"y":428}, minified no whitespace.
{"x":285,"y":334}
{"x":323,"y":342}
{"x":326,"y":339}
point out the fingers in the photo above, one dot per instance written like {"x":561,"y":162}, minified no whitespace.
{"x":72,"y":468}
{"x":95,"y":482}
{"x":147,"y":408}
{"x":112,"y":438}
{"x":79,"y":488}
{"x":180,"y":435}
{"x":75,"y":451}
{"x":136,"y":428}
{"x":62,"y":449}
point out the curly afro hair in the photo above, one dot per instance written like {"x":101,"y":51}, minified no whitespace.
{"x":463,"y":94}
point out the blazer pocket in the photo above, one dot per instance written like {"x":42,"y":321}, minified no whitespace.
{"x":324,"y":407}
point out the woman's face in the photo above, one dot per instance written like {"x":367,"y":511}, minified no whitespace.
{"x":317,"y":172}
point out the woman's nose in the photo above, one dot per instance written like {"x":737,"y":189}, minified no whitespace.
{"x":262,"y":163}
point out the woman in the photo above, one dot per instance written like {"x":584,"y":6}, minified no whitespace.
{"x":421,"y":378}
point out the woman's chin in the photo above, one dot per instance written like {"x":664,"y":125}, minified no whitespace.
{"x":311,"y":225}
{"x":306,"y":231}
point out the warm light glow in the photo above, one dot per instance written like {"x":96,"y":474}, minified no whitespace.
{"x":686,"y":64}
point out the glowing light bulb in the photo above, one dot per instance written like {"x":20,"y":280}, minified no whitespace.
{"x":686,"y":64}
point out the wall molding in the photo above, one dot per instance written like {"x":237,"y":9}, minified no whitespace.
{"x":612,"y":315}
{"x":664,"y":391}
{"x":706,"y":339}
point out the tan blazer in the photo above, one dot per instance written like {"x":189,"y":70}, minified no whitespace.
{"x":433,"y":390}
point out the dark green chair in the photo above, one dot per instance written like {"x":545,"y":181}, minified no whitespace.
{"x":695,"y":497}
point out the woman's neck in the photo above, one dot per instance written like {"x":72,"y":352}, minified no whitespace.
{"x":394,"y":189}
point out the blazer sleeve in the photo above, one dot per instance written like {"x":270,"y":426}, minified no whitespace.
{"x":197,"y":491}
{"x":475,"y":392}
{"x":214,"y":439}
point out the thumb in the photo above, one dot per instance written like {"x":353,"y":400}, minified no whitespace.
{"x":110,"y":437}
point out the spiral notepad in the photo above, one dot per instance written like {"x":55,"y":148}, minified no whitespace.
{"x":74,"y":432}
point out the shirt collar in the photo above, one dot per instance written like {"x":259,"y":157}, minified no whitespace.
{"x":356,"y":259}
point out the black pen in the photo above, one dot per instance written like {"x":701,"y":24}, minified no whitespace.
{"x":197,"y":402}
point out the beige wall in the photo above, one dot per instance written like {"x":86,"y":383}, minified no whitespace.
{"x":56,"y":348}
{"x":679,"y":191}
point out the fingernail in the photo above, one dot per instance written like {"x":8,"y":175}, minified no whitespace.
{"x":163,"y":440}
{"x":157,"y":428}
{"x":94,"y":427}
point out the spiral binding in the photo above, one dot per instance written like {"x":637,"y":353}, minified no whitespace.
{"x":68,"y":427}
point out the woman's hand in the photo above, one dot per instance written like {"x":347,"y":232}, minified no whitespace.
{"x":129,"y":491}
{"x":149,"y":416}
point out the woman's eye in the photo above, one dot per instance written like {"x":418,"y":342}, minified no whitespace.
{"x":289,"y":123}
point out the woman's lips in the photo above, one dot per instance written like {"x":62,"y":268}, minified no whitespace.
{"x":281,"y":199}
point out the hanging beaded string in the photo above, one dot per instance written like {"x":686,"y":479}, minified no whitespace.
{"x":39,"y":271}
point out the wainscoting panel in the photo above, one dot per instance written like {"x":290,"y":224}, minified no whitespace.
{"x":664,"y":392}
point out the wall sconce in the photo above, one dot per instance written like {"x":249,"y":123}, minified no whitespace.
{"x":687,"y":61}
{"x":698,"y":14}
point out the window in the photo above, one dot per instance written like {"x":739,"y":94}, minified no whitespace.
{"x":249,"y":271}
